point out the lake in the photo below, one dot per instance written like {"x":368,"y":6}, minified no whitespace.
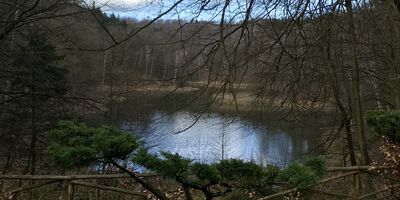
{"x":211,"y":137}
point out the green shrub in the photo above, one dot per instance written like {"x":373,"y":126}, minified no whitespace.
{"x":246,"y":173}
{"x":386,"y":123}
{"x":75,"y":144}
{"x":305,"y":175}
{"x":317,"y":164}
{"x":167,"y":164}
{"x":205,"y":174}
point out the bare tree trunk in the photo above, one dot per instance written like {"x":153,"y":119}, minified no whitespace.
{"x":32,"y":150}
{"x":105,"y":59}
{"x":33,"y":124}
{"x":71,"y":191}
{"x":147,"y":61}
{"x":336,"y":89}
{"x":165,"y":68}
{"x":151,"y":67}
{"x":393,"y":33}
{"x":6,"y":165}
{"x":349,"y":139}
{"x":139,"y":65}
{"x":187,"y":192}
{"x":345,"y":115}
{"x":207,"y":194}
{"x":356,"y":92}
{"x":176,"y":65}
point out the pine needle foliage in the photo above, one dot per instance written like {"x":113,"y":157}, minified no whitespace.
{"x":303,"y":176}
{"x":75,"y":144}
{"x":246,"y":174}
{"x":171,"y":166}
{"x":231,"y":173}
{"x":385,"y":123}
{"x":174,"y":166}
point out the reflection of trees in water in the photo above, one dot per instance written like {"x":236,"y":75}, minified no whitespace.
{"x":215,"y":137}
{"x":222,"y":140}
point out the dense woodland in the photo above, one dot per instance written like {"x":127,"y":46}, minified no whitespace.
{"x":69,"y":71}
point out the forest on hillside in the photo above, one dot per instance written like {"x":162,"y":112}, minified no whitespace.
{"x":82,"y":88}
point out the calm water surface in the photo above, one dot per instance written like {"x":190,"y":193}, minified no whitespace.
{"x":212,"y":137}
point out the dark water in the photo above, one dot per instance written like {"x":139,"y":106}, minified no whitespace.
{"x":212,"y":137}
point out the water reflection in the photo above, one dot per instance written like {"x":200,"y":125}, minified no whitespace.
{"x":213,"y":137}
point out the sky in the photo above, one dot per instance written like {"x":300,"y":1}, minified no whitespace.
{"x":148,"y":9}
{"x":123,"y":3}
{"x":188,"y":9}
{"x":137,"y":9}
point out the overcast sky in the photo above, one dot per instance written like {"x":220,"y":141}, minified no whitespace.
{"x":138,"y":9}
{"x":123,"y":3}
{"x":148,"y":9}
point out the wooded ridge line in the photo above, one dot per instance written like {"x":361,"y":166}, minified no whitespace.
{"x":111,"y":176}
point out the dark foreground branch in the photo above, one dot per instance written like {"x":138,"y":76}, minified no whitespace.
{"x":149,"y":187}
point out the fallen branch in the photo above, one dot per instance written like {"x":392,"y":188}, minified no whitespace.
{"x":345,"y":196}
{"x":159,"y":194}
{"x":112,"y":176}
{"x":356,"y":168}
{"x":377,"y":192}
{"x":24,"y":188}
{"x":115,"y":189}
{"x":295,"y":189}
{"x":71,"y":177}
{"x":279,"y":194}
